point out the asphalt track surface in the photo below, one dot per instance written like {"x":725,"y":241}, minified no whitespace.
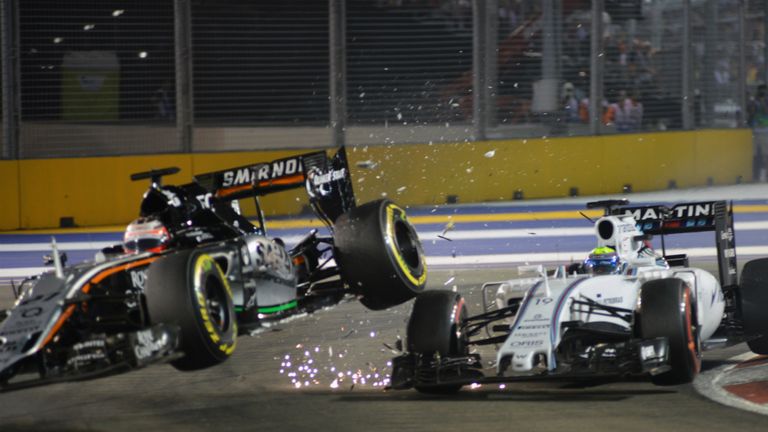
{"x":327,"y":371}
{"x":256,"y":389}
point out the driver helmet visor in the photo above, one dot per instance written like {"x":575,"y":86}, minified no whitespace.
{"x":603,"y":263}
{"x":145,"y":236}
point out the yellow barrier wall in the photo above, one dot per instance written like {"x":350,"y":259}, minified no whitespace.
{"x":542,"y":168}
{"x":97,"y":191}
{"x":9,"y":194}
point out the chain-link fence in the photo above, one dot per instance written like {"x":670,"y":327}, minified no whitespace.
{"x":92,"y":75}
{"x":403,"y":60}
{"x":260,"y":73}
{"x":88,"y":78}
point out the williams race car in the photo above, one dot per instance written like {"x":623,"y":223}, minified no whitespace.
{"x":625,"y":310}
{"x":192,"y":274}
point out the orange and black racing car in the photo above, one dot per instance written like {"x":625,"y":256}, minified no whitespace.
{"x":192,"y":274}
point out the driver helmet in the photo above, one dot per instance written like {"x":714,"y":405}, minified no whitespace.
{"x":146,"y":235}
{"x":603,"y":260}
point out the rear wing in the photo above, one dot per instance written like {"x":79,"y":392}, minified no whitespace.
{"x":327,"y":181}
{"x":257,"y":179}
{"x":702,"y":216}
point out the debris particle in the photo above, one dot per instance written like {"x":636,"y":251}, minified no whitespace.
{"x":367,"y":164}
{"x":448,"y":227}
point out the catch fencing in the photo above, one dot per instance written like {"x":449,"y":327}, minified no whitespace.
{"x":92,"y":78}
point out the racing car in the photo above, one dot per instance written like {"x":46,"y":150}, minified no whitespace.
{"x":626,"y":310}
{"x":192,"y":274}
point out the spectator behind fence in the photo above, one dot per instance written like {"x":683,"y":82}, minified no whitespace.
{"x":584,"y":109}
{"x":162,"y":99}
{"x":570,"y":103}
{"x":641,"y":70}
{"x":626,"y":113}
{"x":757,"y":112}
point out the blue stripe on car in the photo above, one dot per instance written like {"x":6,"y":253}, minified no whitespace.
{"x":553,"y":324}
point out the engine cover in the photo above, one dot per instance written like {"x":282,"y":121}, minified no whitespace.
{"x":269,"y":269}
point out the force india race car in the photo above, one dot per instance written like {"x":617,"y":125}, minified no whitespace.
{"x":193,"y":273}
{"x":627,"y":312}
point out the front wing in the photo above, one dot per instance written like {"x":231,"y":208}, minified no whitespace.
{"x":95,"y":357}
{"x":634,"y":357}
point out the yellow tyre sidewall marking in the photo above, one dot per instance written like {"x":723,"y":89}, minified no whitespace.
{"x":392,"y":212}
{"x":203,"y":264}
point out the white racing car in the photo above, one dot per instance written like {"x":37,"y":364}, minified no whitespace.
{"x":625,"y":310}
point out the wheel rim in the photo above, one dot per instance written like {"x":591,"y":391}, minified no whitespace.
{"x":216,"y":303}
{"x":407,"y":244}
{"x":459,"y":341}
{"x":691,"y":332}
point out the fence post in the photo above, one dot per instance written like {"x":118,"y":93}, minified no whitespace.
{"x":479,"y":35}
{"x":687,"y":96}
{"x":337,"y":40}
{"x":596,"y":69}
{"x":547,"y":102}
{"x":741,"y":83}
{"x":491,"y":63}
{"x":11,"y":76}
{"x":765,"y":44}
{"x":708,"y":97}
{"x":182,"y":16}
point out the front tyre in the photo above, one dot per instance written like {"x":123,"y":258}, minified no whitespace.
{"x":667,"y":310}
{"x":435,"y":326}
{"x":753,"y":294}
{"x":379,"y":254}
{"x":189,"y":289}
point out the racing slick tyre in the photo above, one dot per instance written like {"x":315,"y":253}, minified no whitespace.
{"x":189,"y":289}
{"x":668,"y":310}
{"x":379,"y":254}
{"x":754,"y":301}
{"x":435,"y":326}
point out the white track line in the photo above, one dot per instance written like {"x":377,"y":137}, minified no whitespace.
{"x":63,"y":246}
{"x":83,"y":246}
{"x":565,"y":257}
{"x":458,"y":234}
{"x":482,"y":234}
{"x":21,"y":272}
